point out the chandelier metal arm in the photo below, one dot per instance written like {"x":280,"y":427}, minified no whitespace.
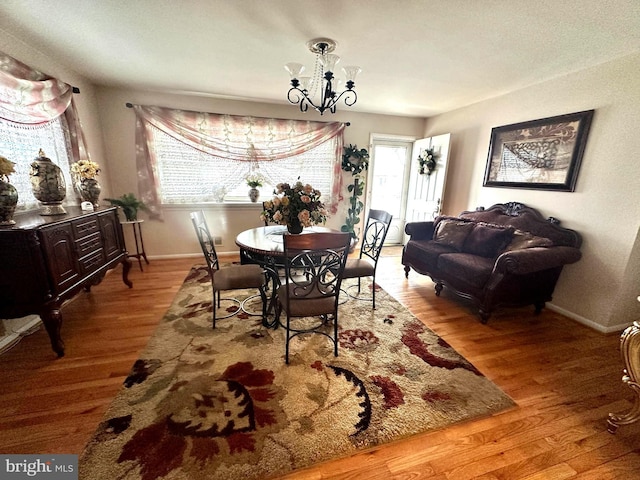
{"x":329,"y":98}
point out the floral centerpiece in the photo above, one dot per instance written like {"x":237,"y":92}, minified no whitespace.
{"x":296,"y":206}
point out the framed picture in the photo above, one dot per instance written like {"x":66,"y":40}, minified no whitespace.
{"x":542,"y":154}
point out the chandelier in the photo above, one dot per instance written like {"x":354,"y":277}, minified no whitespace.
{"x":303,"y":89}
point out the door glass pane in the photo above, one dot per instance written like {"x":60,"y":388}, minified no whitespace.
{"x":388,"y":179}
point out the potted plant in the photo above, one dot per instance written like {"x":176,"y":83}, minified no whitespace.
{"x":129,"y":205}
{"x":254,"y":181}
{"x":356,"y":161}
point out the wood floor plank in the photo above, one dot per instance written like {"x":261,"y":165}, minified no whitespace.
{"x":564,"y":377}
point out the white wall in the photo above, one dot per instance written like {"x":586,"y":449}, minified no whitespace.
{"x":175,"y":235}
{"x":601,"y":289}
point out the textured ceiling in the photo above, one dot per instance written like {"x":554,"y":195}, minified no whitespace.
{"x":419,"y":57}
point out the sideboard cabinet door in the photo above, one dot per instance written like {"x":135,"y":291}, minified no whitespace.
{"x":59,"y":248}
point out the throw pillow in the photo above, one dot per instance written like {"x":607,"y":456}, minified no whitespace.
{"x":527,"y":240}
{"x":452,"y":233}
{"x":487,"y":241}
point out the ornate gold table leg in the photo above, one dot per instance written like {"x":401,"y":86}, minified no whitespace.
{"x":630,"y":350}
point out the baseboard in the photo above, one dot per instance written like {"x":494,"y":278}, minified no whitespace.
{"x":221,"y":255}
{"x":175,"y":256}
{"x":20,"y":327}
{"x":588,"y":323}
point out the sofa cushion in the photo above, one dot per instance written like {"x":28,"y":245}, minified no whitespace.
{"x":426,"y":252}
{"x":523,"y":239}
{"x":472,"y":269}
{"x":452,"y":233}
{"x":487,"y":240}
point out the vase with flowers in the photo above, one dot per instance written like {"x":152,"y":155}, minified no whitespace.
{"x":296,"y":206}
{"x":84,"y":173}
{"x":8,"y":193}
{"x":254,"y":180}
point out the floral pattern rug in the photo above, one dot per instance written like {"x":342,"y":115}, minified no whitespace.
{"x":203,"y":403}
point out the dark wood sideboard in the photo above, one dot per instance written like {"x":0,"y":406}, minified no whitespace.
{"x":45,"y":260}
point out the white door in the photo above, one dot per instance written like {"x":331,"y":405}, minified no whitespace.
{"x":388,"y":181}
{"x":425,"y":193}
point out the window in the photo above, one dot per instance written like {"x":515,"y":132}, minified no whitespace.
{"x":188,"y":175}
{"x":21,"y":143}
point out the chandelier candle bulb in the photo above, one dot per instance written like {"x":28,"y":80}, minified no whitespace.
{"x":294,"y":69}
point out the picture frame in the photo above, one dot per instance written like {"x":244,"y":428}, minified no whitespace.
{"x":540,"y":154}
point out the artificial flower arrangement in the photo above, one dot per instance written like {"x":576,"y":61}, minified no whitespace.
{"x":255,"y":180}
{"x":428,"y":161}
{"x":85,"y":169}
{"x":301,"y":202}
{"x":6,"y":168}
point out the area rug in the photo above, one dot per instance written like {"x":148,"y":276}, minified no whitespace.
{"x":204,"y":404}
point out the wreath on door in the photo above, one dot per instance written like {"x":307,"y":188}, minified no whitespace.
{"x":428,"y":161}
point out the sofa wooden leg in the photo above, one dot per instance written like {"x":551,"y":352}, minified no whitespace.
{"x":406,"y":271}
{"x":484,"y":316}
{"x":538,"y":307}
{"x":438,"y":289}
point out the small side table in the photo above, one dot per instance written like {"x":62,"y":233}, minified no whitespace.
{"x":136,"y":225}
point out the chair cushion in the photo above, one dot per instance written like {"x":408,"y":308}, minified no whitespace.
{"x":238,"y":276}
{"x":358,"y":267}
{"x":487,"y":240}
{"x":473,"y":269}
{"x":311,"y":306}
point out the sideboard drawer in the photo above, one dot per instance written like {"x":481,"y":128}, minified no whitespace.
{"x":91,"y":262}
{"x":88,"y":244}
{"x":85,"y":226}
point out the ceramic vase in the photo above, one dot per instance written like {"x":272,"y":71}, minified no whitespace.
{"x":8,"y":202}
{"x":254,"y":194}
{"x":48,"y":185}
{"x":294,"y":226}
{"x":89,"y":189}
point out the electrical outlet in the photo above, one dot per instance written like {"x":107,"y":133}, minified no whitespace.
{"x":217,"y":240}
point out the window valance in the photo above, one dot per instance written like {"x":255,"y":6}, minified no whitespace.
{"x":28,"y":96}
{"x":235,"y":139}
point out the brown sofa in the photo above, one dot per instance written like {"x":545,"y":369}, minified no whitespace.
{"x":505,"y":255}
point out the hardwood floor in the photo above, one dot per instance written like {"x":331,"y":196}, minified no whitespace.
{"x":564,"y":377}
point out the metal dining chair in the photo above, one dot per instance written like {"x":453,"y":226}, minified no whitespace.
{"x":228,"y":278}
{"x":313,"y":265}
{"x":365,"y":265}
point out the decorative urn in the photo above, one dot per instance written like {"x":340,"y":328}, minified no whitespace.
{"x":8,"y":202}
{"x":48,"y":185}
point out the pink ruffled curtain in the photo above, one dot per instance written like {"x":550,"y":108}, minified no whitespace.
{"x":234,"y":138}
{"x":28,"y":96}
